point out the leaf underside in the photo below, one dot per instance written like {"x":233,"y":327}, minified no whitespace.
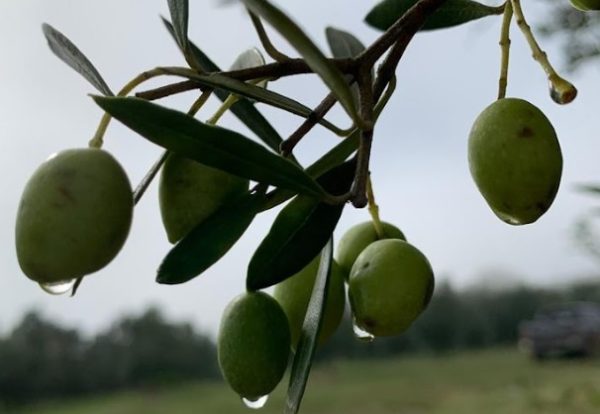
{"x":66,"y":51}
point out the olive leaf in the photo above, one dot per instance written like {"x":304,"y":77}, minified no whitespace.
{"x":315,"y":59}
{"x":210,"y":145}
{"x":66,"y":51}
{"x":299,"y":232}
{"x":250,"y":58}
{"x":451,"y":13}
{"x":210,"y":240}
{"x":345,"y":45}
{"x":243,"y":109}
{"x":310,"y":331}
{"x":179,"y":10}
{"x":247,"y":90}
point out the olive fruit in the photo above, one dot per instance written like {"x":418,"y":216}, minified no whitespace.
{"x":586,"y":5}
{"x":358,"y":237}
{"x":391,"y":283}
{"x":253,"y":344}
{"x":189,"y":192}
{"x":515,"y":160}
{"x":74,"y":216}
{"x":293,"y":294}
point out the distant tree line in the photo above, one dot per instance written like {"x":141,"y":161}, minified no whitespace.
{"x":456,"y":320}
{"x":41,"y":360}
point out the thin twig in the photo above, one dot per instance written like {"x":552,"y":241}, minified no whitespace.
{"x":367,"y":104}
{"x":313,"y":119}
{"x":264,"y":39}
{"x":405,"y":26}
{"x":168,"y":90}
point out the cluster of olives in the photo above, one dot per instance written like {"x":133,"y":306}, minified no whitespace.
{"x":390,"y":283}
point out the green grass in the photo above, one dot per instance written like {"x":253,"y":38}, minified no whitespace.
{"x":500,"y":381}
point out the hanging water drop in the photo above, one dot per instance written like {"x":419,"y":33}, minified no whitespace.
{"x":58,"y":288}
{"x":257,"y":403}
{"x":561,"y":91}
{"x":360,"y":333}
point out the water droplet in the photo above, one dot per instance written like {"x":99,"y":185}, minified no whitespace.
{"x":257,"y":403}
{"x":58,"y":288}
{"x":360,"y":333}
{"x":562,"y":91}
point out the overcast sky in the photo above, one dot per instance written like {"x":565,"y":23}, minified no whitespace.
{"x":419,"y":165}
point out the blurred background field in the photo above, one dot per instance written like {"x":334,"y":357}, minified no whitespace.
{"x":492,"y":381}
{"x":461,"y":356}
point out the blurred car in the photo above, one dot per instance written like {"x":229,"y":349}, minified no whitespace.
{"x":571,"y":329}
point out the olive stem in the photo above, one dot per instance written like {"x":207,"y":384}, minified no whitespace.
{"x":264,"y":39}
{"x":334,"y":157}
{"x":561,"y":90}
{"x":505,"y":49}
{"x":98,"y":139}
{"x":374,"y":210}
{"x":227,"y":104}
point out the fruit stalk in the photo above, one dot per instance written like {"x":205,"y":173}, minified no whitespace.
{"x":562,"y":91}
{"x":98,"y":139}
{"x":265,"y":41}
{"x":374,"y":210}
{"x":505,"y":49}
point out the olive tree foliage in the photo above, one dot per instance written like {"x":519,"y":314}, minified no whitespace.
{"x":514,"y":158}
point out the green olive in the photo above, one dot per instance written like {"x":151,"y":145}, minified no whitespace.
{"x":293,"y":294}
{"x":358,"y":237}
{"x":253,"y":344}
{"x":515,"y":160}
{"x":74,"y":216}
{"x":391,"y":283}
{"x":189,"y":192}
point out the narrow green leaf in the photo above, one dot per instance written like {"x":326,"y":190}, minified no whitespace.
{"x":247,"y":90}
{"x":66,"y":51}
{"x":210,"y":145}
{"x":299,"y":232}
{"x":243,"y":109}
{"x":209,"y":241}
{"x":315,"y":59}
{"x":179,"y":10}
{"x":451,"y":13}
{"x":310,"y":332}
{"x":345,"y":45}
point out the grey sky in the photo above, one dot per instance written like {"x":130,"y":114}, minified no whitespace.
{"x":419,"y":162}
